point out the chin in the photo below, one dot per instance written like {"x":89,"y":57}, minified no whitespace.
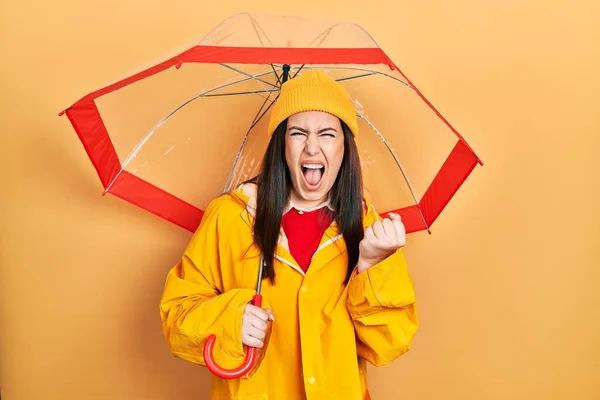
{"x":314,"y":195}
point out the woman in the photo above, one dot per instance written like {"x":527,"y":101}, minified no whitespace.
{"x":336,"y":290}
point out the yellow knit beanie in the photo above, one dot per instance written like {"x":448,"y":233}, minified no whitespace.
{"x":313,"y":91}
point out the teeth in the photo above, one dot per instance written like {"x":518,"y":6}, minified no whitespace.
{"x":312,"y":166}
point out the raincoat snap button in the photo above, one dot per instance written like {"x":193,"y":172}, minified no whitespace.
{"x":311,"y":380}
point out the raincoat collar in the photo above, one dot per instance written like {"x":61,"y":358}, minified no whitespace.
{"x":330,"y":246}
{"x":291,"y":205}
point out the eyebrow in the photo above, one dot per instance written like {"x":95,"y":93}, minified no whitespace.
{"x":306,"y":131}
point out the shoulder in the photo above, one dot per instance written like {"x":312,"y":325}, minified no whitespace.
{"x":224,"y":208}
{"x":222,"y":213}
{"x":222,"y":220}
{"x":224,"y":205}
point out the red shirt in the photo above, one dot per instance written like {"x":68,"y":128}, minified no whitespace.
{"x":304,"y":231}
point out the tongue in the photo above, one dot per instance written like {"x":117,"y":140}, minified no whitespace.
{"x":313,"y":176}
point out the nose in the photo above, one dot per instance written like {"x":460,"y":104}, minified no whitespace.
{"x":312,"y":145}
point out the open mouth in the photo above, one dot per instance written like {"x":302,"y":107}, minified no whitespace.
{"x":313,"y":173}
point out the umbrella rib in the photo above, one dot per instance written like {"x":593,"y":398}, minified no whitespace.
{"x":360,"y":69}
{"x":398,"y":164}
{"x":357,"y":76}
{"x":147,"y":137}
{"x":298,"y":71}
{"x":249,"y":75}
{"x":263,"y":114}
{"x":257,"y":26}
{"x":368,"y":72}
{"x":240,"y":93}
{"x":215,"y":28}
{"x":276,"y":75}
{"x":325,"y":33}
{"x":256,"y":117}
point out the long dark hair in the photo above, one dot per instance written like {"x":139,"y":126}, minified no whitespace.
{"x":274,"y":187}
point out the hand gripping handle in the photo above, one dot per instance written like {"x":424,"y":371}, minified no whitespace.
{"x":251,"y":355}
{"x":251,"y":352}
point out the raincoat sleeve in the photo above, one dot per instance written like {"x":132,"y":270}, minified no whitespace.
{"x":381,"y":302}
{"x":194,"y":304}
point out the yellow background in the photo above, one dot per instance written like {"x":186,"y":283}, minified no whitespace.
{"x":507,"y":283}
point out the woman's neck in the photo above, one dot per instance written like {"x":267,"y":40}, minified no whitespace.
{"x":307,"y":205}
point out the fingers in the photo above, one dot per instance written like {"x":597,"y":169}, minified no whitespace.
{"x":369,"y":233}
{"x":253,"y":331}
{"x":254,"y":325}
{"x":257,"y":333}
{"x":378,"y":230}
{"x":258,"y":312}
{"x":385,"y":231}
{"x":397,"y":221}
{"x":390,"y":230}
{"x":252,"y":341}
{"x":257,"y":323}
{"x":399,"y":228}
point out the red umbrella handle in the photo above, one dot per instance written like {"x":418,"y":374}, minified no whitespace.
{"x":251,"y":355}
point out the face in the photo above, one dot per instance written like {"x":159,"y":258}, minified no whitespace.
{"x":314,"y":149}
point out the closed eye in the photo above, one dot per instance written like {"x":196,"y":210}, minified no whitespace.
{"x":328,"y":132}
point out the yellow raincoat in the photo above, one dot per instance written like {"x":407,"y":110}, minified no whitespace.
{"x":323,"y":333}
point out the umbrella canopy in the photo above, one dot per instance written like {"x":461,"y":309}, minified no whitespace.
{"x":173,"y":135}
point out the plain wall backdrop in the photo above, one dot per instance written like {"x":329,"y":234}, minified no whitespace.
{"x":507,"y":283}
